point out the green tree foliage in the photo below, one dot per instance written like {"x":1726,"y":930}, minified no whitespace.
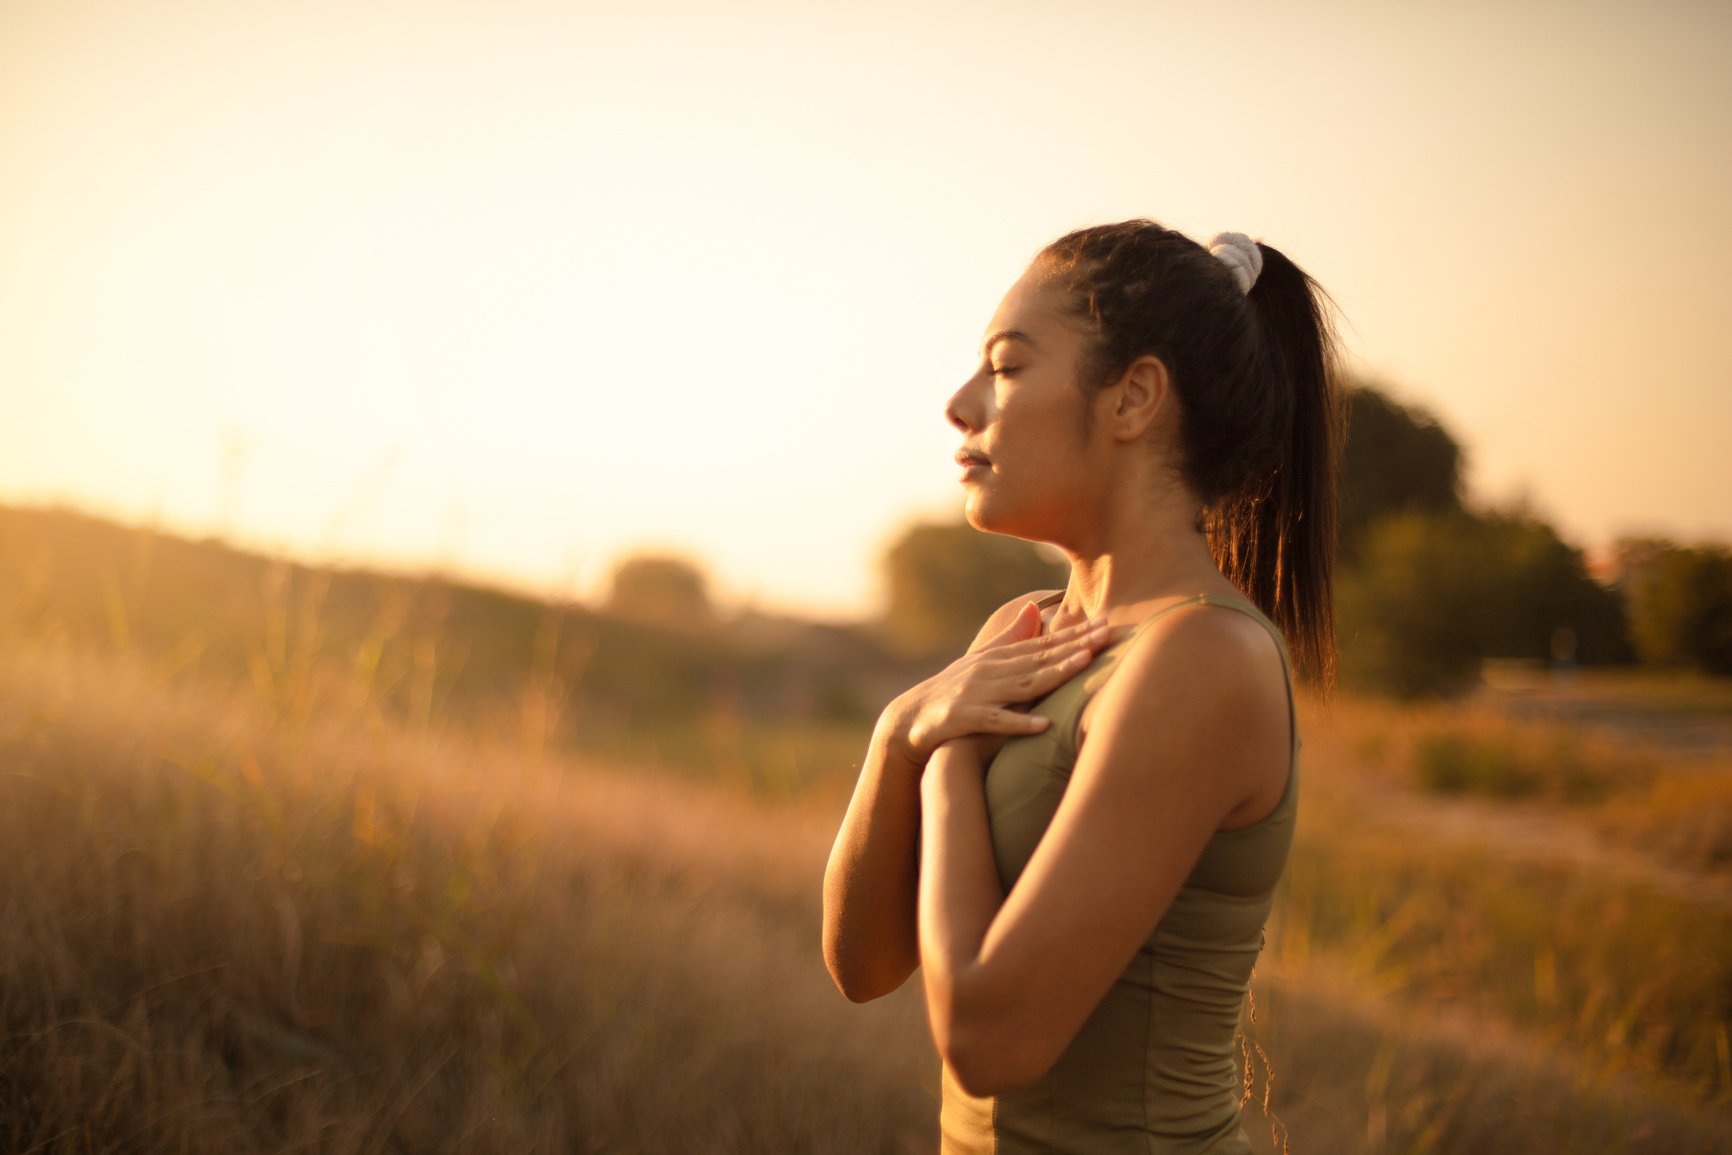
{"x":944,"y":579}
{"x":662,"y":590}
{"x":1680,"y":602}
{"x":1430,"y":596}
{"x":1538,"y":586}
{"x":1396,"y":459}
{"x":1400,"y":609}
{"x":1429,"y":587}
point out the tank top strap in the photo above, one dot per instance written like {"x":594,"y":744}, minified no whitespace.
{"x":1193,"y":600}
{"x":1240,"y":604}
{"x":1249,"y":609}
{"x":1093,"y":680}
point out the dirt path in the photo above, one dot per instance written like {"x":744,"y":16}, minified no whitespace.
{"x":1690,"y":716}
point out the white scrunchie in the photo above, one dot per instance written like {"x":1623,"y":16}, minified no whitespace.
{"x":1240,"y":254}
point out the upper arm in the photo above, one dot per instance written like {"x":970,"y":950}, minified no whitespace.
{"x":1192,"y":723}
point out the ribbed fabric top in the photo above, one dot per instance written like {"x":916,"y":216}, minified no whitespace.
{"x":1154,"y":1070}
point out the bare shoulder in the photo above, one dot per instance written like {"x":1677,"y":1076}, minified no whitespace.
{"x":1216,"y":681}
{"x":1001,"y":617}
{"x":1212,"y":643}
{"x":1215,"y":659}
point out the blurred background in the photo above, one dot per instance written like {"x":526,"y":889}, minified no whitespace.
{"x":470,"y":475}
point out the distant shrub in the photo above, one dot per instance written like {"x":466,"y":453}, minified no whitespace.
{"x":1504,"y":765}
{"x":661,"y":589}
{"x":1680,"y":603}
{"x":1456,"y":764}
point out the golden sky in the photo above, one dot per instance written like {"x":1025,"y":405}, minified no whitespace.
{"x":514,"y":287}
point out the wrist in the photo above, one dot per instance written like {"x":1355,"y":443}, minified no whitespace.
{"x":958,"y":756}
{"x":953,"y":771}
{"x":893,"y":730}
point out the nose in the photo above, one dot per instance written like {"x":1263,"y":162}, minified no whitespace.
{"x":963,"y":410}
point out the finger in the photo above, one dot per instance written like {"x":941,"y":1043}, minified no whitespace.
{"x":1091,"y":634}
{"x":1022,"y":681}
{"x":1045,"y":645}
{"x":1013,"y":666}
{"x":1001,"y":720}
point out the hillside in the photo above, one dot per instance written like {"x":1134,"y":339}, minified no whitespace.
{"x":423,"y":647}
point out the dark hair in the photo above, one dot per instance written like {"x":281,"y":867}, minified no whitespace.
{"x":1260,"y":419}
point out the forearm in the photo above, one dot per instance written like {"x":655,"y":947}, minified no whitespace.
{"x":960,"y":892}
{"x":870,"y":944}
{"x":871,"y":941}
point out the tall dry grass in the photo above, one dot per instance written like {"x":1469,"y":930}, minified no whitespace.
{"x":310,"y":901}
{"x":1674,"y":804}
{"x":228,"y":928}
{"x":224,"y":931}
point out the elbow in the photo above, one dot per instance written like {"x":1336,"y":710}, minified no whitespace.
{"x":857,"y":978}
{"x":985,"y":1064}
{"x":853,"y":985}
{"x":846,"y":977}
{"x":988,"y":1051}
{"x":855,"y":990}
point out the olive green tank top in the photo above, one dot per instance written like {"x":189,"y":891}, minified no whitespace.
{"x":1155,"y":1068}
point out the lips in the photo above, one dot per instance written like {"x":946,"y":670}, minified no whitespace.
{"x":967,"y":457}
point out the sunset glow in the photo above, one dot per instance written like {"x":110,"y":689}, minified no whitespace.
{"x":514,"y":288}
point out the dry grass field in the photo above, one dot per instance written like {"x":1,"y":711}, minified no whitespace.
{"x":264,"y":912}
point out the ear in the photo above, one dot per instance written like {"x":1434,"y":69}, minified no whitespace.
{"x":1140,"y":397}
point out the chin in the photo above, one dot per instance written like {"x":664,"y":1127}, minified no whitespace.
{"x":977,"y":511}
{"x":980,"y":514}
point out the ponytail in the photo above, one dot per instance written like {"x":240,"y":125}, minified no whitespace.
{"x":1275,"y":537}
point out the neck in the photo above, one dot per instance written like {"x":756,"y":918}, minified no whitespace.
{"x":1140,"y":553}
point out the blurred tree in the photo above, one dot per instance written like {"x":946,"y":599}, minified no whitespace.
{"x":944,"y":579}
{"x":1680,"y":601}
{"x":662,"y":590}
{"x":1403,"y":609}
{"x":1432,"y":595}
{"x":1538,"y":586}
{"x":1396,"y":459}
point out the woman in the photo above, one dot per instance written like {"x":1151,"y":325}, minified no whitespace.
{"x":1087,"y":914}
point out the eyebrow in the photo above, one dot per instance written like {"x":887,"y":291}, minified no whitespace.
{"x":1004,"y":335}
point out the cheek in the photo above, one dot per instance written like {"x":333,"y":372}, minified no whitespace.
{"x":1054,"y":439}
{"x":1053,"y":406}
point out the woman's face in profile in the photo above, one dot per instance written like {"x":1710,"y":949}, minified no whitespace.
{"x":1026,"y":445}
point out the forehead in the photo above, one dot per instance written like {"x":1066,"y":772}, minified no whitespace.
{"x":1032,"y":311}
